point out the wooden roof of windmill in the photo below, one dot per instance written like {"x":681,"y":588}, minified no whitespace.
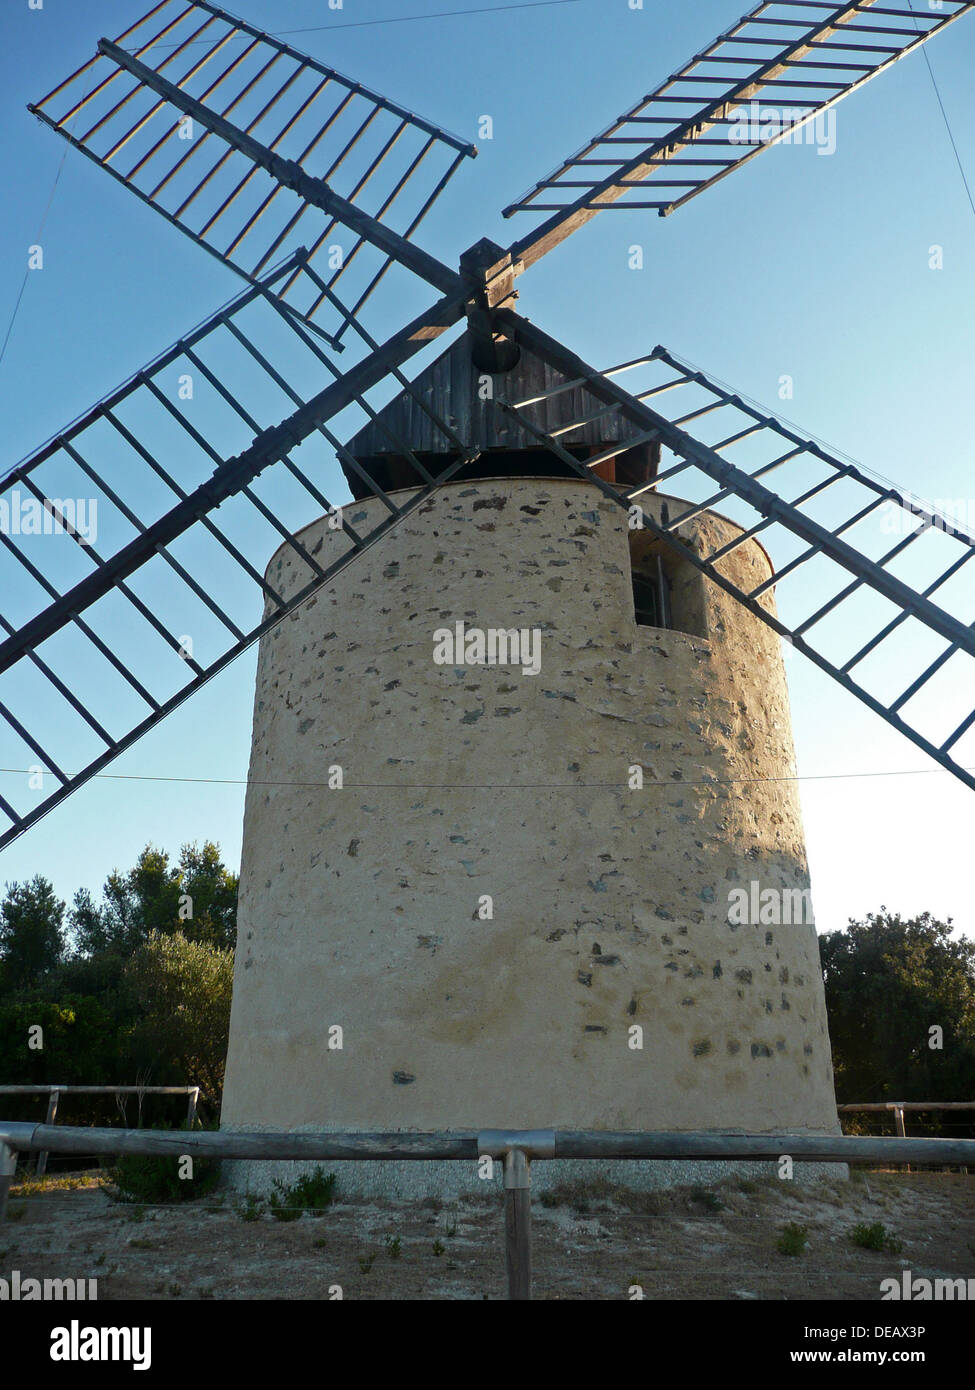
{"x":453,"y":390}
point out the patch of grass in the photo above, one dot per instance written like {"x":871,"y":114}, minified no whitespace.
{"x":549,"y":1199}
{"x":310,"y":1193}
{"x":793,"y":1239}
{"x":69,"y":1182}
{"x":394,"y":1247}
{"x":875,"y":1236}
{"x":747,"y":1186}
{"x":137,"y":1243}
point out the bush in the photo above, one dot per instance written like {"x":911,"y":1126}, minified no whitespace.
{"x":155,"y":1178}
{"x":793,"y":1239}
{"x":875,"y":1237}
{"x":311,"y":1193}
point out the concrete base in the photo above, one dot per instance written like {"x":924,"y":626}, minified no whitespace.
{"x":413,"y":1181}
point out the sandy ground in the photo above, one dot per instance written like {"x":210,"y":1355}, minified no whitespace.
{"x":590,"y":1242}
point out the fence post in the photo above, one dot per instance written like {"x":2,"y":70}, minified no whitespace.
{"x":8,"y":1167}
{"x":518,"y":1224}
{"x":191,"y":1108}
{"x":52,"y":1111}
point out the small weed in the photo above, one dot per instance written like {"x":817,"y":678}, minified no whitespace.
{"x":394,"y":1247}
{"x":136,"y":1243}
{"x":875,"y":1237}
{"x":439,"y":1248}
{"x":550,"y":1199}
{"x":366,"y":1263}
{"x":100,"y":1260}
{"x":135,"y":1214}
{"x":311,"y":1193}
{"x":251,"y":1208}
{"x":747,"y":1186}
{"x":451,"y":1230}
{"x":320,"y":1244}
{"x":793,"y":1239}
{"x":174,"y":1290}
{"x":16,"y":1213}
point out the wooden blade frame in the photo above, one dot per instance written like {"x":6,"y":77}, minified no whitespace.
{"x":288,"y":151}
{"x":58,"y":637}
{"x":665,"y":141}
{"x":856,"y":571}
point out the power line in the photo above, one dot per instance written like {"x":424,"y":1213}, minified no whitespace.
{"x":27,"y":273}
{"x":398,"y":19}
{"x":944,"y":113}
{"x":495,"y":786}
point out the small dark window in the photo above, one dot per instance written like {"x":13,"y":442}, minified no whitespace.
{"x":651,"y":595}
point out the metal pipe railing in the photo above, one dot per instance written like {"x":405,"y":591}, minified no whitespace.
{"x":518,"y":1148}
{"x":54,"y":1094}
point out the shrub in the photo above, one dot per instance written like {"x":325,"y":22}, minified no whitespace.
{"x":155,"y":1179}
{"x":875,"y":1237}
{"x":311,"y":1193}
{"x":793,"y":1239}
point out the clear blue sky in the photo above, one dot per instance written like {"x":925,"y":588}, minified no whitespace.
{"x":801,"y":265}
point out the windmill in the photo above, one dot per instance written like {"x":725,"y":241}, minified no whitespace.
{"x":312,"y":188}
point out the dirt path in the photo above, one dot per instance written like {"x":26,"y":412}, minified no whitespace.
{"x":591,"y":1242}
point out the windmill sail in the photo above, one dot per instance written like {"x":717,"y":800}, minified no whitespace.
{"x":883,"y":601}
{"x":796,"y":59}
{"x":133,"y":545}
{"x":222,"y":129}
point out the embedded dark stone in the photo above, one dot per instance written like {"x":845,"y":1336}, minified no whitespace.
{"x":403,"y":1078}
{"x":760,"y":1050}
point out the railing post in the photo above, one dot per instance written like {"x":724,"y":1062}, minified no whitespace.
{"x":191,"y":1108}
{"x":52,"y":1111}
{"x":8,"y":1167}
{"x":900,"y":1127}
{"x":518,"y":1224}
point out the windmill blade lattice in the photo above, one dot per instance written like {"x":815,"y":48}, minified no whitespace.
{"x":163,"y":530}
{"x":689,"y":132}
{"x":884,"y":599}
{"x":285,"y":123}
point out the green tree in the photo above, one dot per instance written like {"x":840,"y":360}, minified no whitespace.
{"x":32,"y":937}
{"x":889,"y":982}
{"x":181,"y":994}
{"x":196,"y":896}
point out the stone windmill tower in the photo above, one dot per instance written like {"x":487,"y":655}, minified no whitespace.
{"x":522,"y":841}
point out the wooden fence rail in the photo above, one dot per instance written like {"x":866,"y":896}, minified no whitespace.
{"x":517,"y":1148}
